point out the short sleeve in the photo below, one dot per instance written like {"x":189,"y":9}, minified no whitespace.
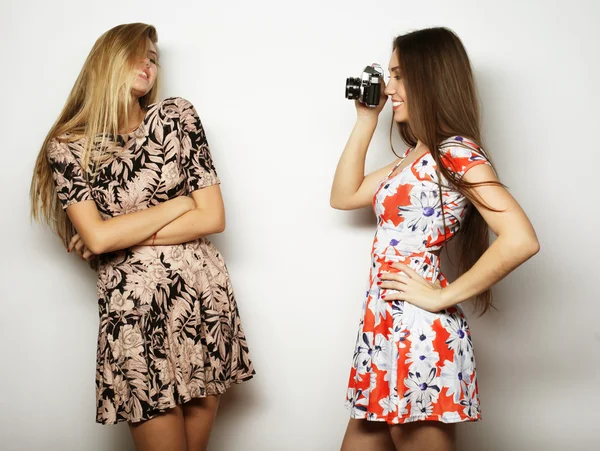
{"x":71,"y":184}
{"x":459,"y":154}
{"x":196,"y":159}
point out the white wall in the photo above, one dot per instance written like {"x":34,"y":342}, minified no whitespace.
{"x":267,"y":78}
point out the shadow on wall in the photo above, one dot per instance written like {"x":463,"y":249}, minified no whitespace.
{"x":118,"y":438}
{"x":239,"y":402}
{"x":359,"y":220}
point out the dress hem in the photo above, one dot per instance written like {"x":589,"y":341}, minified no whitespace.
{"x":437,"y":418}
{"x":184,"y":399}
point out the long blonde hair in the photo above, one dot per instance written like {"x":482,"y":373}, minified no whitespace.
{"x":96,"y":109}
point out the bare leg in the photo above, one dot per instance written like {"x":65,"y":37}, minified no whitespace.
{"x":199,"y":415}
{"x":423,"y":436}
{"x":362,"y":435}
{"x":166,"y":432}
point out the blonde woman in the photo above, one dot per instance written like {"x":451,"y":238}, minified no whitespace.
{"x":128,"y":183}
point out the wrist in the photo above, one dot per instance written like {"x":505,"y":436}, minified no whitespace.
{"x":369,"y":119}
{"x":447,"y":298}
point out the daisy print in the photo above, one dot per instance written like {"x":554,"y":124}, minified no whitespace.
{"x":360,"y":401}
{"x":460,"y":156}
{"x":351,"y":396}
{"x":425,"y":168}
{"x":470,"y":402}
{"x":388,"y":188}
{"x":422,"y":386}
{"x":455,"y":375}
{"x":388,"y":405}
{"x":422,"y":408}
{"x":460,"y":339}
{"x":400,"y":330}
{"x":381,"y":353}
{"x":422,"y":356}
{"x":363,"y":353}
{"x":419,"y":319}
{"x":424,"y":211}
{"x":401,"y":404}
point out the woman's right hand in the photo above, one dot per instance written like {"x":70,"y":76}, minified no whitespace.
{"x":365,"y":111}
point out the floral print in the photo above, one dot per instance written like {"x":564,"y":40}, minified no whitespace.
{"x":169,"y":324}
{"x":410,"y":364}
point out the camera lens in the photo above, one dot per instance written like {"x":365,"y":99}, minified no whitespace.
{"x":352,"y":88}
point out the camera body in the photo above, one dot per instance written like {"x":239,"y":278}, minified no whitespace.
{"x":367,"y":88}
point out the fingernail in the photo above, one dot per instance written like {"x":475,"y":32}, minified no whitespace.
{"x":379,"y":282}
{"x":68,"y":250}
{"x":379,"y":275}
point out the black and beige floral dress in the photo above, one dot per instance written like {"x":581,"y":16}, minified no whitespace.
{"x":169,"y":324}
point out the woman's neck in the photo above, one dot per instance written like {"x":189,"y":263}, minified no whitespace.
{"x":419,"y":146}
{"x":136,"y":116}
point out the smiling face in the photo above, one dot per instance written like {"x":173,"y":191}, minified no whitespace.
{"x":146,"y":72}
{"x":396,"y":90}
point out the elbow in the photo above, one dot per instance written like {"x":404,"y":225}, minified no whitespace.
{"x":96,"y":236}
{"x":341,"y":201}
{"x":533,"y":246}
{"x":218,"y":223}
{"x":97,"y":241}
{"x":526,"y":246}
{"x":530,"y":245}
{"x":333,"y":204}
{"x":208,"y":222}
{"x":338,"y":204}
{"x":96,"y":246}
{"x":220,"y":226}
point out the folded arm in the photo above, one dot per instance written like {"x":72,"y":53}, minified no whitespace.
{"x":100,"y":236}
{"x":206,"y":218}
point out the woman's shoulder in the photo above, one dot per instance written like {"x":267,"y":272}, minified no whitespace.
{"x":459,"y":153}
{"x":459,"y":141}
{"x":175,"y":104}
{"x":460,"y":146}
{"x":60,"y":145}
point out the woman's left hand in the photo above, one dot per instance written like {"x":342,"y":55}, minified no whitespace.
{"x":411,"y":287}
{"x":80,"y":249}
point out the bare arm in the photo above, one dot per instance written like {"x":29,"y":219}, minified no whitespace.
{"x":101,"y":236}
{"x":206,"y":218}
{"x":351,"y":188}
{"x":515,"y":244}
{"x":516,"y":240}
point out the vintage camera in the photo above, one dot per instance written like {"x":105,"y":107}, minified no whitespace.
{"x":366,"y":89}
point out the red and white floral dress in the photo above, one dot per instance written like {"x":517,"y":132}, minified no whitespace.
{"x":410,"y":364}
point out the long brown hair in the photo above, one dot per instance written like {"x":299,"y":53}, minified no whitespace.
{"x":442,"y":102}
{"x":96,"y":109}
